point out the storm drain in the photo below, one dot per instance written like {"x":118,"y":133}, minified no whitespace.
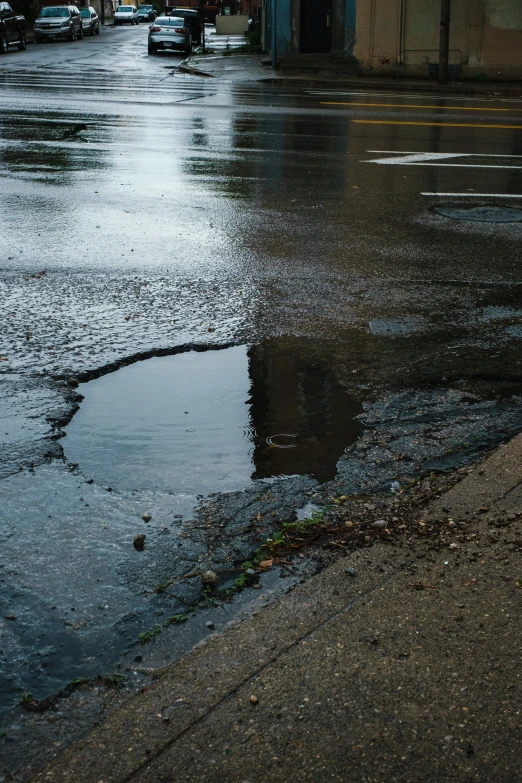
{"x":211,"y":421}
{"x":484,"y":213}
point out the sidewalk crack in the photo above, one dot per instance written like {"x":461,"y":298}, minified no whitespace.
{"x":147,"y":762}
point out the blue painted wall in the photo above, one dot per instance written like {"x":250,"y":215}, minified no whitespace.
{"x":284,"y":26}
{"x":349,"y":25}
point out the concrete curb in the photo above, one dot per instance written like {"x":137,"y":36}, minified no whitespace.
{"x":184,"y":67}
{"x":492,"y":89}
{"x":370,"y":646}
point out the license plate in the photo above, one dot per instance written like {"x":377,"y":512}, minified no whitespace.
{"x":169,"y":45}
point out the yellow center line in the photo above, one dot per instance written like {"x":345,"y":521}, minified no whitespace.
{"x":441,"y":124}
{"x":413,"y":106}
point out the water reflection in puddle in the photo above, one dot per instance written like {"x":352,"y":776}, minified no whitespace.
{"x":212,"y":421}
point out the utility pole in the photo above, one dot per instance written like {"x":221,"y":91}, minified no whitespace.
{"x":273,"y":32}
{"x":445,"y":11}
{"x":202,"y":14}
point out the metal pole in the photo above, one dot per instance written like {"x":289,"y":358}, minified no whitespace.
{"x":273,"y":32}
{"x":445,"y":11}
{"x":263,"y":25}
{"x":102,"y":11}
{"x":202,"y":13}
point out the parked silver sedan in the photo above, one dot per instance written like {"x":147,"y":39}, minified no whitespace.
{"x":91,"y":21}
{"x":169,"y":32}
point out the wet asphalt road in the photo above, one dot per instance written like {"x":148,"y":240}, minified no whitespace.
{"x":143,"y":211}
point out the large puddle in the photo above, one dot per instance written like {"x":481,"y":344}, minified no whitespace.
{"x":159,"y":433}
{"x":212,"y":421}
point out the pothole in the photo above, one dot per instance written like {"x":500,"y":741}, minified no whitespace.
{"x":485,"y":213}
{"x":212,"y":421}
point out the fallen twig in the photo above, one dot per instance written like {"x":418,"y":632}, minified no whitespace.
{"x":421,"y":585}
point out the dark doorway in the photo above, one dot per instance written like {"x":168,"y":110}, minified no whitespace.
{"x":316,"y":26}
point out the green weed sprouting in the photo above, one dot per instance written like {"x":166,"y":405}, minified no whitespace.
{"x":147,"y":636}
{"x":176,"y":619}
{"x":287,"y":533}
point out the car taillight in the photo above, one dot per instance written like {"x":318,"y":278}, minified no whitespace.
{"x":155,"y":29}
{"x":179,"y":29}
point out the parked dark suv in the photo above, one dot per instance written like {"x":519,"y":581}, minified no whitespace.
{"x":58,"y":21}
{"x":192,"y":21}
{"x":12,"y":29}
{"x":146,"y":13}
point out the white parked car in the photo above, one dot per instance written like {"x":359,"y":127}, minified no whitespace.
{"x":126,"y":14}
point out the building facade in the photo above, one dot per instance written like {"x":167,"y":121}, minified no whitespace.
{"x":310,"y":26}
{"x":401,"y":37}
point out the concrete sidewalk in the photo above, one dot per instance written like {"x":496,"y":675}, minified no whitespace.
{"x":255,"y":67}
{"x":409,"y":669}
{"x":235,"y":67}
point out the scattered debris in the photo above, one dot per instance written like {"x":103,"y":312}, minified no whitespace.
{"x":421,"y":586}
{"x":139,"y":542}
{"x":209,"y":579}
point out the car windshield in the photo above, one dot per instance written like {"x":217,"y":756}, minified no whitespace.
{"x":124,"y":8}
{"x":144,"y":9}
{"x":54,"y":12}
{"x":165,"y":21}
{"x":85,"y":12}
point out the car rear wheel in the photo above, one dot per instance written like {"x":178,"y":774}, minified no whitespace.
{"x":3,"y":44}
{"x":22,"y":45}
{"x":151,"y":49}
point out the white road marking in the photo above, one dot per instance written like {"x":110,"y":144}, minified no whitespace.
{"x":416,"y":157}
{"x":434,"y":158}
{"x":476,"y":195}
{"x":452,"y":165}
{"x":463,"y":154}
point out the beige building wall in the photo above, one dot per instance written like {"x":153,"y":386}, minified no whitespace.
{"x":401,"y":37}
